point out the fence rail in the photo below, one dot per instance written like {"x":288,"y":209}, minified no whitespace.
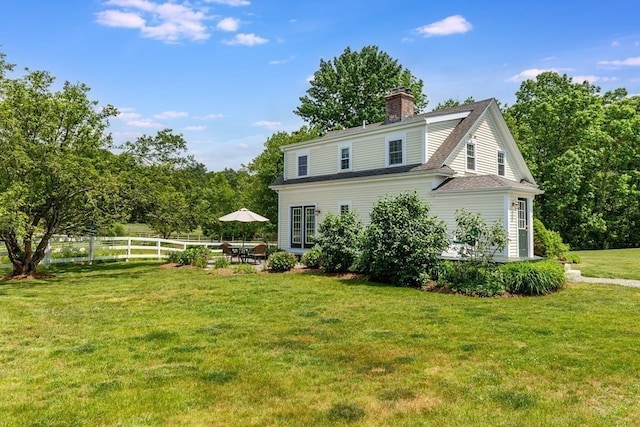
{"x":62,"y":250}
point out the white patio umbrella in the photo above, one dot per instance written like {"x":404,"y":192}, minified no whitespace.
{"x":243,"y":215}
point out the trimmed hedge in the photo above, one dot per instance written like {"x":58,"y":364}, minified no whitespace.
{"x":281,"y":261}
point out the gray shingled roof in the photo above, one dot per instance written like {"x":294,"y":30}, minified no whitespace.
{"x":475,"y":108}
{"x":482,"y":182}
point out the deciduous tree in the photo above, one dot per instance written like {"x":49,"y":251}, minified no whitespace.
{"x":350,"y":89}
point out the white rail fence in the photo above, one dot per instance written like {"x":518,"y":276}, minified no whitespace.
{"x":62,"y":250}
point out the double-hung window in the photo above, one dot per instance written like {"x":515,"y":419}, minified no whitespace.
{"x":501,"y":162}
{"x":471,"y":155}
{"x":303,"y":165}
{"x":396,"y":155}
{"x":303,"y":226}
{"x":345,"y":158}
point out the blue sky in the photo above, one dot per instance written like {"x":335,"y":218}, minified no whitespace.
{"x":227,"y":74}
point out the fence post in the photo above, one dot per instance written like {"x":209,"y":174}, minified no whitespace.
{"x":47,"y":255}
{"x":92,"y":240}
{"x":128,"y":248}
{"x":158,"y":248}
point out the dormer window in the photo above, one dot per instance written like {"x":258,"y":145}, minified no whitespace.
{"x":471,"y":155}
{"x":501,"y":162}
{"x":396,"y":152}
{"x":303,"y":165}
{"x":344,"y":158}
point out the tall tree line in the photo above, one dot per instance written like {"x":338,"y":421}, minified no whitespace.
{"x":583,"y":148}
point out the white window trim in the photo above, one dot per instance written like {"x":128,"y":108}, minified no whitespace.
{"x":475,"y":155}
{"x":299,"y":154}
{"x":395,"y":137}
{"x":504,"y":161}
{"x":344,"y":203}
{"x":340,"y":147}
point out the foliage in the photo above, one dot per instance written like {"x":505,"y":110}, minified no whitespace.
{"x":451,"y":103}
{"x":272,"y":250}
{"x":57,"y":176}
{"x":351,"y":89}
{"x":469,"y":278}
{"x":281,"y":261}
{"x":116,"y":230}
{"x":312,"y":258}
{"x":572,"y":258}
{"x":547,"y":243}
{"x":221,"y":262}
{"x":339,"y":237}
{"x":583,"y":149}
{"x":403,"y":242}
{"x":532,"y":278}
{"x":196,"y":255}
{"x":481,"y":241}
{"x":269,"y":166}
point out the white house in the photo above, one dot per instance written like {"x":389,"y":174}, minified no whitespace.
{"x":463,"y":157}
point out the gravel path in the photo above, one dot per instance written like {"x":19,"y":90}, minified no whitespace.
{"x":575,"y":276}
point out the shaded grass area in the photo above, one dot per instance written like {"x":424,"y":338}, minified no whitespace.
{"x":612,"y":263}
{"x":133,"y":344}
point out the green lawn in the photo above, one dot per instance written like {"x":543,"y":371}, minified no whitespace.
{"x":132,"y":344}
{"x":612,"y":263}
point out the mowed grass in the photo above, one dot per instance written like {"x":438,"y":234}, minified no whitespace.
{"x":612,"y":263}
{"x":134,"y":344}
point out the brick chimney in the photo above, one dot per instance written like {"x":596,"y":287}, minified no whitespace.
{"x":399,"y":105}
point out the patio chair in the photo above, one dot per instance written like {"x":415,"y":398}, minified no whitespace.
{"x":226,"y":250}
{"x":259,"y":252}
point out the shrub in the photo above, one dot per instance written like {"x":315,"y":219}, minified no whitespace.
{"x":281,"y":261}
{"x":221,"y":262}
{"x":174,"y":257}
{"x":312,"y":258}
{"x":572,"y":258}
{"x":547,"y":243}
{"x":196,"y":256}
{"x":273,"y":250}
{"x":403,"y":242}
{"x":339,"y":237}
{"x":470,"y":278}
{"x":481,"y":241}
{"x":532,"y":278}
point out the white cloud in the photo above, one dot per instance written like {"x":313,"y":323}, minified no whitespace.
{"x":268,"y":125}
{"x":592,"y":79}
{"x":532,"y":73}
{"x":171,"y":115}
{"x":231,"y":2}
{"x":311,"y":78}
{"x":228,"y":24}
{"x":211,"y":117}
{"x":246,"y":40}
{"x":455,"y":24}
{"x":629,"y":62}
{"x":127,"y":114}
{"x":615,"y":43}
{"x":195,"y":127}
{"x":170,"y":22}
{"x":144,"y":124}
{"x":116,"y":18}
{"x":281,"y":61}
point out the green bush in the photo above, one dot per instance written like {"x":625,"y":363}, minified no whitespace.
{"x":339,"y":237}
{"x":548,"y":243}
{"x":470,"y":278}
{"x":273,"y":250}
{"x":532,"y":278}
{"x":312,"y":258}
{"x":403,"y":242}
{"x":572,"y":258}
{"x":196,"y":256}
{"x":221,"y":262}
{"x":281,"y":261}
